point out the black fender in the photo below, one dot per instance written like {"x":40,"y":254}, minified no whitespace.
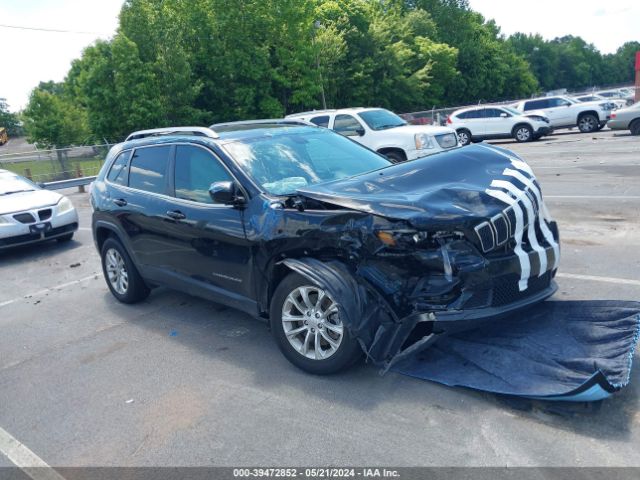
{"x":363,"y":310}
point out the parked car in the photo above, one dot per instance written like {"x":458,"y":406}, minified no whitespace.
{"x":594,"y":97}
{"x":384,"y":132}
{"x":564,"y":112}
{"x":626,"y":119}
{"x":486,"y":122}
{"x":617,"y":94}
{"x":339,"y":249}
{"x":30,"y":214}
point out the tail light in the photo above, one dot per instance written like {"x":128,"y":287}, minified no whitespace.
{"x":449,"y":119}
{"x":613,"y":115}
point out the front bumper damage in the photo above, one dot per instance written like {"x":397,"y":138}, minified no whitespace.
{"x":397,"y":308}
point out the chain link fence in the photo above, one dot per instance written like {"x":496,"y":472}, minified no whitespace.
{"x":43,"y":166}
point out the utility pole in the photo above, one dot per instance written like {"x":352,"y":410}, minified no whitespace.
{"x":316,"y":26}
{"x":637,"y":98}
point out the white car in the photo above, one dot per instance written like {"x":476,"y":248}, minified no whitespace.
{"x":30,"y":214}
{"x":492,"y":121}
{"x":594,"y":97}
{"x":564,"y":112}
{"x":618,"y":94}
{"x":384,"y":131}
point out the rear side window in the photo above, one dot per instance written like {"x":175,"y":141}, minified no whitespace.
{"x":196,"y":170}
{"x":322,"y":121}
{"x":473,"y":114}
{"x":148,"y":169}
{"x":536,"y":104}
{"x":118,"y":172}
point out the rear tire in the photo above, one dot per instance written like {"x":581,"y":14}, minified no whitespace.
{"x":523,"y":133}
{"x":634,"y":127}
{"x":312,"y":337}
{"x":120,"y":273}
{"x":588,"y":123}
{"x":464,"y":136}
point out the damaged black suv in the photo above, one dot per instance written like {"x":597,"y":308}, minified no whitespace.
{"x":342,"y":251}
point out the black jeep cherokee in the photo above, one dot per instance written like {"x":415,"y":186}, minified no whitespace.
{"x":341,"y":250}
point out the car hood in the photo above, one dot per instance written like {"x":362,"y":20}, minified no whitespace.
{"x":416,"y":129}
{"x":17,"y":202}
{"x":444,"y":190}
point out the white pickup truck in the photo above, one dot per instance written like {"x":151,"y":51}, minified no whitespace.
{"x":384,"y":131}
{"x":565,"y":112}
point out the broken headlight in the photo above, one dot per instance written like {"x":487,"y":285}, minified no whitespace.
{"x":414,"y":238}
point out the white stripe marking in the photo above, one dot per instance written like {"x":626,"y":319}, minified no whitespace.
{"x":47,"y":290}
{"x":543,"y":213}
{"x":595,"y":278}
{"x":523,"y":257}
{"x":521,"y":195}
{"x":25,"y":459}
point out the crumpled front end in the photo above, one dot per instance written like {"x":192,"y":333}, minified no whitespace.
{"x":428,"y":247}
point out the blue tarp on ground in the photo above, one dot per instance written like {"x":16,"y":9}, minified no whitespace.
{"x":558,"y":350}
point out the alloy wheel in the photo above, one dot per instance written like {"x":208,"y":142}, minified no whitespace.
{"x":523,"y":134}
{"x":311,"y":322}
{"x":116,"y":271}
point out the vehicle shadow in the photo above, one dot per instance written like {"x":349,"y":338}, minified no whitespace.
{"x":234,"y":338}
{"x":36,"y":251}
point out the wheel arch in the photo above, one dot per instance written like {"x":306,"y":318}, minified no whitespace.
{"x":521,"y":124}
{"x":588,"y":112}
{"x":385,"y":150}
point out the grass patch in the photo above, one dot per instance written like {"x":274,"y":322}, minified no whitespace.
{"x":48,"y":170}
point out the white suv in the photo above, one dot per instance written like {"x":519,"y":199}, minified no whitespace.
{"x":384,"y":131}
{"x":564,"y":112}
{"x":492,"y":121}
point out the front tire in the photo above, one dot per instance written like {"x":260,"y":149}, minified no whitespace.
{"x":306,"y":324}
{"x":523,"y":133}
{"x":588,"y":123}
{"x":395,"y":157}
{"x":120,"y":273}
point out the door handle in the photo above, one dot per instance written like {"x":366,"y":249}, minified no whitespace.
{"x":176,"y":215}
{"x":121,"y":202}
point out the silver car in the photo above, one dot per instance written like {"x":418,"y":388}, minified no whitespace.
{"x":626,"y":119}
{"x":30,"y":214}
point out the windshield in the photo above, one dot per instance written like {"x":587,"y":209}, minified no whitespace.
{"x":285,"y":161}
{"x":381,"y":119}
{"x":14,"y":184}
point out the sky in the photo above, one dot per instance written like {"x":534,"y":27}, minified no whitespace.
{"x":29,"y":57}
{"x":606,"y":24}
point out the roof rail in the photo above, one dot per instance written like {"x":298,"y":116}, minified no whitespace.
{"x":155,"y":132}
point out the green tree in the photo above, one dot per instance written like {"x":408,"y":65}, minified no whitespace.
{"x":8,"y":119}
{"x":51,"y":121}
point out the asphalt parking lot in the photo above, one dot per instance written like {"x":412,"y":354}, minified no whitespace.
{"x":177,"y":381}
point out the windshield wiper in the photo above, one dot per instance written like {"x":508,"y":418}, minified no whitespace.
{"x":391,"y":125}
{"x":16,"y":191}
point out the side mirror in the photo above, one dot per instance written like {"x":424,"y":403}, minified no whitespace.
{"x":360,"y":131}
{"x":503,"y":115}
{"x":226,"y":193}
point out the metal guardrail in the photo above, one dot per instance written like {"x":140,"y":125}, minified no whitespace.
{"x":70,"y":183}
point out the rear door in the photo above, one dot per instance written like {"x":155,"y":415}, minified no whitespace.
{"x":141,"y":207}
{"x":473,"y":121}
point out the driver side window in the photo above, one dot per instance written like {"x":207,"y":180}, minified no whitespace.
{"x":195,"y":170}
{"x":347,"y":125}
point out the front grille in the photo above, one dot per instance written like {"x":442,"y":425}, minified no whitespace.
{"x":44,"y":214}
{"x":506,"y":291}
{"x":447,"y":140}
{"x":501,"y":228}
{"x":24,"y":217}
{"x":485,"y":234}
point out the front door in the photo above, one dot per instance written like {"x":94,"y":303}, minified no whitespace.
{"x":209,"y":244}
